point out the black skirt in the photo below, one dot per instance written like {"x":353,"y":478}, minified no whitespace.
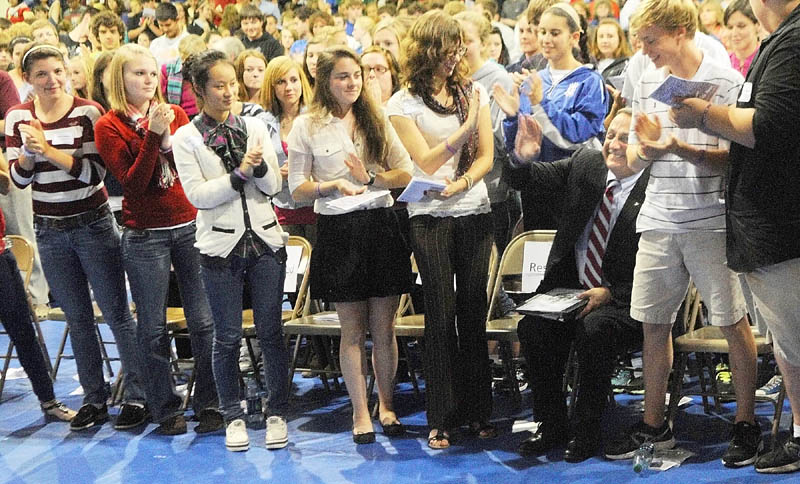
{"x":359,"y":255}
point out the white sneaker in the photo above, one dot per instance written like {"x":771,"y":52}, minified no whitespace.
{"x":236,"y":439}
{"x":277,"y":433}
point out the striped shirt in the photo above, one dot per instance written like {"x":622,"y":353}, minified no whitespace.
{"x":57,"y":192}
{"x":683,"y":196}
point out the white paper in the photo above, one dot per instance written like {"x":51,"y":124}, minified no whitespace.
{"x":293,"y":269}
{"x":327,"y":317}
{"x":417,"y":187}
{"x":667,"y":459}
{"x":617,"y":82}
{"x":348,"y":203}
{"x":534,"y":261}
{"x":674,"y":89}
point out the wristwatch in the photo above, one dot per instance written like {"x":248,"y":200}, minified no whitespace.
{"x":371,"y":177}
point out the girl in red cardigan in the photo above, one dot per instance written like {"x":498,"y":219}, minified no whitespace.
{"x":159,"y":231}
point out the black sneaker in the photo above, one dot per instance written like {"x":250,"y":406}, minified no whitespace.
{"x":210,"y":420}
{"x":745,"y":445}
{"x":89,"y":416}
{"x":625,"y":446}
{"x":783,"y":458}
{"x":130,"y":416}
{"x":175,"y":425}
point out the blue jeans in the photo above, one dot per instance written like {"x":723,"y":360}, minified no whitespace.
{"x":224,"y":284}
{"x":73,"y":259}
{"x":16,"y":319}
{"x":148,"y":255}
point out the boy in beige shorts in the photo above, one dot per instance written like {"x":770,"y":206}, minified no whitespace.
{"x":682,"y":226}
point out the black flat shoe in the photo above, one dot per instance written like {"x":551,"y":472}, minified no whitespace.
{"x":394,"y":429}
{"x":365,"y":438}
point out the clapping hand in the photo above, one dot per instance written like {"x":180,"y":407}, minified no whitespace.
{"x":160,"y":117}
{"x":356,"y":167}
{"x":528,"y":143}
{"x":252,"y":159}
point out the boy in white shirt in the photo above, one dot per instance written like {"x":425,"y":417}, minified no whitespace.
{"x":682,"y":226}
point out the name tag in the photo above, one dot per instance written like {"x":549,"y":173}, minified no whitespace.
{"x":62,"y":139}
{"x":746,"y":93}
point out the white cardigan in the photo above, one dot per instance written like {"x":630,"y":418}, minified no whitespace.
{"x":220,"y":216}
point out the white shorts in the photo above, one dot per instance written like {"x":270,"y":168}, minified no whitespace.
{"x":774,"y":303}
{"x":665,"y":262}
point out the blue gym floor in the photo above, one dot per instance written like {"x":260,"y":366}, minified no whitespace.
{"x":321,"y":449}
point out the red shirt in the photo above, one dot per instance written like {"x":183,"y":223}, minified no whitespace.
{"x":134,"y":161}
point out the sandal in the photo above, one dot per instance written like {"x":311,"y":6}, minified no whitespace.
{"x":484,"y":430}
{"x":438,"y":439}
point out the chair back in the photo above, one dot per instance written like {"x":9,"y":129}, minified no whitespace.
{"x":24,"y":253}
{"x":301,"y":305}
{"x":511,"y":262}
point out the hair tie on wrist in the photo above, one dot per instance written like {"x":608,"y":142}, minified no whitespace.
{"x":449,"y":148}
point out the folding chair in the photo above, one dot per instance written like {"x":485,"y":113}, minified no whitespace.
{"x":504,"y":329}
{"x":704,"y":342}
{"x":24,"y":254}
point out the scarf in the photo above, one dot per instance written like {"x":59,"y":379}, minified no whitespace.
{"x":174,"y":82}
{"x":460,"y":107}
{"x":140,"y":123}
{"x":228,"y":139}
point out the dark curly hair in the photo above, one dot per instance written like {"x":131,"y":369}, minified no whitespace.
{"x":431,"y":39}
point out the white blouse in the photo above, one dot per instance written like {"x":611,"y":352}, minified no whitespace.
{"x":435,"y":128}
{"x":318,"y":149}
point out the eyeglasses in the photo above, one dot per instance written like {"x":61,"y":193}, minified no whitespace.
{"x":457,"y":53}
{"x":378,"y":69}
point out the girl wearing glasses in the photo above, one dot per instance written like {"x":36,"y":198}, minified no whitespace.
{"x":444,"y":122}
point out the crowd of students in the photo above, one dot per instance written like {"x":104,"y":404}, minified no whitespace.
{"x":208,"y":132}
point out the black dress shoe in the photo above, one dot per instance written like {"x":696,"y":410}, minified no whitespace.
{"x":580,"y":449}
{"x":545,"y":439}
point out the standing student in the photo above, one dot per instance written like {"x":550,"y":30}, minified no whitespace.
{"x":250,"y":66}
{"x":228,"y":175}
{"x":444,"y":122}
{"x":51,"y":146}
{"x":134,"y":138}
{"x":743,"y":39}
{"x":15,"y":317}
{"x":285,"y":93}
{"x":682,"y":226}
{"x":567,"y":99}
{"x":346,"y":144}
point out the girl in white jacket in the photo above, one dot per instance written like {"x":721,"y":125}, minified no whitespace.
{"x":229,"y":176}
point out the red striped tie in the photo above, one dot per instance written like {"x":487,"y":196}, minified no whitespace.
{"x":598,"y":238}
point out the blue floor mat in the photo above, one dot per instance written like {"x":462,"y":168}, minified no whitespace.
{"x":321,"y":448}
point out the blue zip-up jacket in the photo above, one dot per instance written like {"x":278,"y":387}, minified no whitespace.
{"x":571,"y":113}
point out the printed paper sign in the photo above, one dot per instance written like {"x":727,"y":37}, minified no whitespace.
{"x":534,"y":261}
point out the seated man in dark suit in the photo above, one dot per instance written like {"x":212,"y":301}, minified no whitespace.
{"x":595,"y":249}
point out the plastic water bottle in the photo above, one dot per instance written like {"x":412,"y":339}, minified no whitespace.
{"x":643,"y":457}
